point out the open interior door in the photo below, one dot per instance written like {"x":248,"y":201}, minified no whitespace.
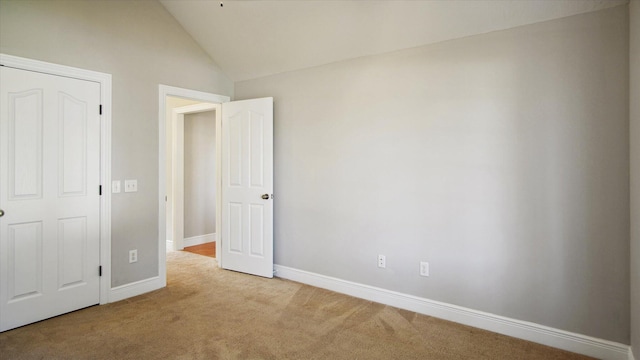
{"x":247,"y":186}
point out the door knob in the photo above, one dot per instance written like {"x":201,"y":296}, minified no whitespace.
{"x":1,"y":213}
{"x":265,"y":196}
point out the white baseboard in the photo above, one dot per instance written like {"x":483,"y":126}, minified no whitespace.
{"x":197,"y":240}
{"x":135,"y":288}
{"x":582,"y":344}
{"x":631,"y":357}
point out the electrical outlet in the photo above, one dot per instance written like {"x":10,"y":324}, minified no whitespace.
{"x":382,"y":261}
{"x":424,"y":268}
{"x":133,"y":256}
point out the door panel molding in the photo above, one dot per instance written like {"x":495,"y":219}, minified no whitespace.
{"x":105,"y":149}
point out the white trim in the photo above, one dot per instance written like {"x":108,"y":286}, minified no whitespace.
{"x":582,"y":344}
{"x":199,"y":240}
{"x":105,"y":150}
{"x":135,"y":288}
{"x":631,"y":357}
{"x":163,"y":92}
{"x":196,"y":108}
{"x":219,"y":175}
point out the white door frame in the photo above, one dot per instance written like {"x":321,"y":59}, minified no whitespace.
{"x":105,"y":149}
{"x":163,"y":92}
{"x":177,"y":168}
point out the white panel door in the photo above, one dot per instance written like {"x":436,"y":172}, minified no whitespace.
{"x":49,"y":179}
{"x":247,"y":186}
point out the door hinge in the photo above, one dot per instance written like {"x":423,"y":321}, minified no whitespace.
{"x":100,"y":270}
{"x":100,"y":190}
{"x":100,"y":109}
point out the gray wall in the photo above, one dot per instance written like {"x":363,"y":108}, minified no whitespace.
{"x":199,"y":174}
{"x":635,"y":175}
{"x":141,"y":45}
{"x":502,"y":159}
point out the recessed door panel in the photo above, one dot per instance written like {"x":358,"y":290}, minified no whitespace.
{"x":25,"y":260}
{"x":25,"y":144}
{"x":235,"y":150}
{"x":256,"y":235}
{"x":72,"y":143}
{"x":256,"y":156}
{"x":235,"y":228}
{"x":72,"y":249}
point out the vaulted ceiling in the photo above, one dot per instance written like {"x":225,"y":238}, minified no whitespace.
{"x":250,"y":39}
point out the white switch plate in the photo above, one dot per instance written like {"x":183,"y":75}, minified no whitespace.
{"x":424,"y":268}
{"x":130,"y":185}
{"x":115,"y":186}
{"x":382,"y":261}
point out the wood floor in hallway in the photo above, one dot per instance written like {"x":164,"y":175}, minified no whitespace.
{"x":206,"y":249}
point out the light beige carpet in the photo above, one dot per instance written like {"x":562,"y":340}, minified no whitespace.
{"x":208,"y":313}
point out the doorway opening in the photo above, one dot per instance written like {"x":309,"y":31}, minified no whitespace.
{"x":177,"y":106}
{"x":244,"y":184}
{"x":191,"y":176}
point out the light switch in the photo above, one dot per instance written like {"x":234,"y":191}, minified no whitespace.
{"x":115,"y":186}
{"x":130,"y":185}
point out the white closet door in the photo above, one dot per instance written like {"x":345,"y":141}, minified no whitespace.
{"x":49,"y":182}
